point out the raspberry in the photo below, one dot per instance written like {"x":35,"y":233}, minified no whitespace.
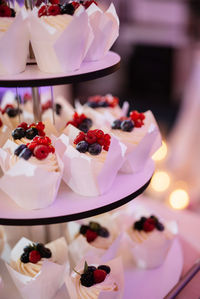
{"x":75,"y":4}
{"x":41,"y":152}
{"x":90,"y":235}
{"x":96,"y":99}
{"x":6,"y":107}
{"x":106,"y":148}
{"x":32,"y":145}
{"x":40,"y":126}
{"x":47,"y":105}
{"x":99,"y":275}
{"x":134,"y":115}
{"x":1,"y":124}
{"x":142,"y":116}
{"x":101,"y":141}
{"x":112,"y":101}
{"x":149,"y":225}
{"x":5,"y":11}
{"x":138,"y":123}
{"x":42,"y":11}
{"x":23,"y":125}
{"x":27,"y":97}
{"x":53,"y":10}
{"x":54,"y":1}
{"x":99,"y":133}
{"x":79,"y":137}
{"x":91,"y":137}
{"x":34,"y":256}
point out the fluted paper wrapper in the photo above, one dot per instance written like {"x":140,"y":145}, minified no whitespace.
{"x":87,"y":175}
{"x":145,"y":142}
{"x":78,"y":245}
{"x":2,"y":239}
{"x":29,"y":189}
{"x":14,"y":45}
{"x":105,"y":26}
{"x":5,"y":133}
{"x":51,"y":276}
{"x":57,"y":52}
{"x":116,"y":276}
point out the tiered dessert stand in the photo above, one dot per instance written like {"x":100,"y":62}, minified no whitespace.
{"x":69,"y":206}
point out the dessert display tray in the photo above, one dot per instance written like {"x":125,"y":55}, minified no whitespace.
{"x":69,"y":206}
{"x":33,"y":77}
{"x":138,"y":283}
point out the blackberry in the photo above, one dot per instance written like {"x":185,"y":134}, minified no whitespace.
{"x":105,"y":268}
{"x":87,"y":279}
{"x":83,"y":229}
{"x":25,"y":257}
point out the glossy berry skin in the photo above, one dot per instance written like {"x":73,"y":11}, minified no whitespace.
{"x":91,"y":268}
{"x":67,"y":8}
{"x":25,"y":154}
{"x":138,"y":225}
{"x":18,"y":133}
{"x":34,"y":256}
{"x":88,"y":122}
{"x":99,"y":275}
{"x":83,"y":127}
{"x":103,"y":104}
{"x":12,"y":112}
{"x":31,"y":133}
{"x":160,"y":226}
{"x":91,"y":235}
{"x":44,"y":251}
{"x":83,"y":229}
{"x":19,"y":149}
{"x":82,"y":147}
{"x":25,"y":258}
{"x":103,"y":232}
{"x":58,"y":109}
{"x":87,"y":279}
{"x":116,"y":125}
{"x":127,"y":126}
{"x":149,"y":225}
{"x":95,"y":149}
{"x":41,"y":152}
{"x":105,"y":268}
{"x":93,"y":105}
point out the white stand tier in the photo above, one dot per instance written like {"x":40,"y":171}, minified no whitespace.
{"x":69,"y":206}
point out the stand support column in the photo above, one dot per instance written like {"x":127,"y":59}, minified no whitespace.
{"x":36,"y":104}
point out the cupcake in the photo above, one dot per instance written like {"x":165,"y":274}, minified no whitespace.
{"x":14,"y":39}
{"x":93,"y":280}
{"x":140,"y":133}
{"x":4,"y":133}
{"x":54,"y":27}
{"x":38,"y":270}
{"x":151,"y":241}
{"x":91,"y":160}
{"x":81,"y":121}
{"x":31,"y":162}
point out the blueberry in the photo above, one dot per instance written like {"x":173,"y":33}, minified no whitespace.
{"x":87,"y":121}
{"x":28,"y":248}
{"x":83,"y":229}
{"x":44,"y":251}
{"x":92,"y":104}
{"x":103,"y":232}
{"x":58,"y":109}
{"x":83,"y":127}
{"x":19,"y":149}
{"x":116,"y":125}
{"x":91,"y":268}
{"x":95,"y":149}
{"x":18,"y":133}
{"x":127,"y":125}
{"x":13,"y":13}
{"x":138,"y":225}
{"x":105,"y":268}
{"x":103,"y":104}
{"x":12,"y":112}
{"x":67,"y":8}
{"x":160,"y":226}
{"x":82,"y":146}
{"x":87,"y":279}
{"x":143,"y":219}
{"x":31,"y":133}
{"x":25,"y":257}
{"x":25,"y":154}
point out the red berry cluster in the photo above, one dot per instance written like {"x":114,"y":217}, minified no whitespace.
{"x":47,"y":105}
{"x":41,"y":147}
{"x":148,"y":224}
{"x":27,"y":97}
{"x":1,"y":123}
{"x":6,"y":11}
{"x":137,"y":118}
{"x":39,"y":126}
{"x":107,"y":100}
{"x":34,"y":252}
{"x":49,"y":10}
{"x":77,"y":119}
{"x":94,"y":136}
{"x":93,"y":275}
{"x":87,"y":4}
{"x":3,"y":111}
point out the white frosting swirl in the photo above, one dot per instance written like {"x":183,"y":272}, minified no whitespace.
{"x":49,"y":164}
{"x":5,"y":23}
{"x":93,"y":292}
{"x":59,"y":22}
{"x":28,"y":269}
{"x":141,"y":236}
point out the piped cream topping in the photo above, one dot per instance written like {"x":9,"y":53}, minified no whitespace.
{"x":5,"y":23}
{"x":28,"y":269}
{"x":142,"y":236}
{"x":59,"y":22}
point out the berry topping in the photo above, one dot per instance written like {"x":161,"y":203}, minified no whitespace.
{"x":148,"y":224}
{"x":42,"y":11}
{"x":23,"y":125}
{"x":79,"y":137}
{"x":101,"y":101}
{"x":81,"y":122}
{"x":160,"y":226}
{"x":58,"y":108}
{"x":54,"y":1}
{"x":99,"y":275}
{"x":68,"y":8}
{"x":105,"y":268}
{"x":31,"y":133}
{"x":34,"y":256}
{"x":25,"y":258}
{"x":95,"y":149}
{"x":103,"y":232}
{"x":1,"y":123}
{"x":91,"y":137}
{"x":91,"y":268}
{"x":116,"y":125}
{"x":137,"y":118}
{"x":75,"y":4}
{"x":53,"y":10}
{"x":127,"y":125}
{"x":82,"y":147}
{"x":83,"y":229}
{"x":44,"y":251}
{"x":12,"y":112}
{"x":18,"y":133}
{"x":95,"y":226}
{"x":26,"y":153}
{"x":5,"y":11}
{"x":91,"y":235}
{"x":88,"y":3}
{"x":41,"y":152}
{"x":87,"y":279}
{"x":19,"y":149}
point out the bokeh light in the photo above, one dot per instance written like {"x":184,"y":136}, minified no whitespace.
{"x":160,"y":181}
{"x":161,"y":153}
{"x":179,"y":199}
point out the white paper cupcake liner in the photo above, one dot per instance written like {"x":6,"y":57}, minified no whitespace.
{"x":86,"y":175}
{"x":29,"y":189}
{"x":14,"y":46}
{"x":105,"y":26}
{"x":51,"y":276}
{"x":60,"y":52}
